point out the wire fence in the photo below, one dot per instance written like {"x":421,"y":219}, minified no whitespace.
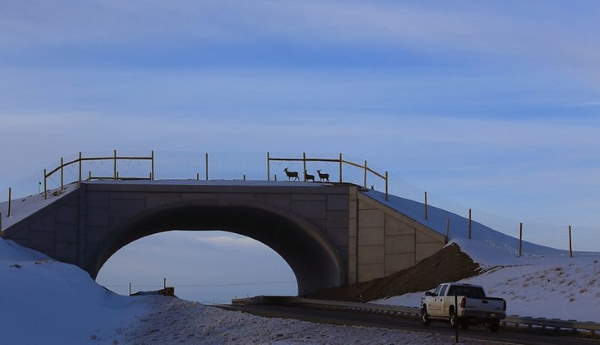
{"x":272,"y":166}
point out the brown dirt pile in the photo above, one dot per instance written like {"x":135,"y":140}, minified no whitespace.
{"x":447,"y":265}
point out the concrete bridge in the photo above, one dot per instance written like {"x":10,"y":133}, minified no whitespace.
{"x":329,"y":234}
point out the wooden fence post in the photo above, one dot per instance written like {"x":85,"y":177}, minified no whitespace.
{"x":447,"y":230}
{"x":426,"y":207}
{"x":341,"y":166}
{"x":470,"y":224}
{"x":304,"y":164}
{"x":365,"y":177}
{"x":9,"y":201}
{"x":570,"y":242}
{"x":197,"y":176}
{"x":152,"y":167}
{"x":268,"y":166}
{"x":206,"y":165}
{"x":387,"y":177}
{"x":80,"y":162}
{"x":520,"y":239}
{"x":45,"y":186}
{"x":62,"y":174}
{"x":115,"y":164}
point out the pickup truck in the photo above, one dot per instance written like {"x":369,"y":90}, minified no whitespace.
{"x":472,"y":306}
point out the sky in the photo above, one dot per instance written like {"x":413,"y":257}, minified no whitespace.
{"x":486,"y":105}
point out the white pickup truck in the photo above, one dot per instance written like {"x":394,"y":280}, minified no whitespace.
{"x":472,"y":306}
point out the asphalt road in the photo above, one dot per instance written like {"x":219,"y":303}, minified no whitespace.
{"x":509,"y":335}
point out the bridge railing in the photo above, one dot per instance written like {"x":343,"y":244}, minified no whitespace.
{"x":340,"y":161}
{"x":79,"y":161}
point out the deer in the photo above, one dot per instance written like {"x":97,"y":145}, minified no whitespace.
{"x":308,"y":177}
{"x":323,"y":176}
{"x":291,"y":174}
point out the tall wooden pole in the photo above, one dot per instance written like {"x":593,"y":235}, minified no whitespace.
{"x":206,"y":165}
{"x":80,"y":167}
{"x":152,"y":168}
{"x":9,"y":201}
{"x":62,"y":174}
{"x":365,"y":176}
{"x":304,"y":164}
{"x":426,"y":207}
{"x":115,"y":164}
{"x":387,"y":177}
{"x":570,"y":242}
{"x":268,"y":166}
{"x":520,"y":239}
{"x":341,"y":166}
{"x":470,"y":223}
{"x":45,"y":185}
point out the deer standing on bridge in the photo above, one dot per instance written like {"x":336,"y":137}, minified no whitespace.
{"x":308,"y":177}
{"x":291,"y":174}
{"x":323,"y":176}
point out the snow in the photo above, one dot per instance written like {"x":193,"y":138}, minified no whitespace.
{"x":179,"y":322}
{"x":48,"y":302}
{"x":560,"y":288}
{"x":488,"y":247}
{"x":22,"y":208}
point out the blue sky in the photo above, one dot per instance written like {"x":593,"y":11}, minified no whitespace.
{"x":491,"y":105}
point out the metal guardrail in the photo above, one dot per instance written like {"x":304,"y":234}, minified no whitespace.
{"x":587,"y":327}
{"x":80,"y":159}
{"x":339,"y":161}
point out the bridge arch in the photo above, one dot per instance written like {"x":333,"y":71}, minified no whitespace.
{"x":314,"y":260}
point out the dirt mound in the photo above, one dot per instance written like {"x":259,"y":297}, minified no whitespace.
{"x":447,"y":265}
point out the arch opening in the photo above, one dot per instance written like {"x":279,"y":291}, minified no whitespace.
{"x":313,"y":260}
{"x":211,"y":267}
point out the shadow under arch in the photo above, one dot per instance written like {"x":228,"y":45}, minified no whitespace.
{"x":315,"y":262}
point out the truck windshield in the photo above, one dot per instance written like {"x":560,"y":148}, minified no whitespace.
{"x":468,"y":291}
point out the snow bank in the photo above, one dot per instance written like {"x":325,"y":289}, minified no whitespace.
{"x":557,"y":288}
{"x":487,"y":247}
{"x":47,"y":302}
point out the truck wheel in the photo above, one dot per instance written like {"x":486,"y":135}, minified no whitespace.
{"x":494,"y":326}
{"x":425,"y":319}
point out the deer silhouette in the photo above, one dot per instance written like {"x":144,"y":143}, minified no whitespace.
{"x":291,"y":174}
{"x":323,"y":176}
{"x":308,"y":177}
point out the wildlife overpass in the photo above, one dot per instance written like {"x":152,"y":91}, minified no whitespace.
{"x":331,"y":234}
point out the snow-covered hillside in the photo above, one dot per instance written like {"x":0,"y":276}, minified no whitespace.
{"x":558,"y":288}
{"x":47,"y":302}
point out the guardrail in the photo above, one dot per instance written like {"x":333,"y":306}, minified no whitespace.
{"x":115,"y":158}
{"x":587,"y":327}
{"x":340,"y":161}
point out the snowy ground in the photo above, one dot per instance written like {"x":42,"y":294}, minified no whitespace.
{"x":552,"y":288}
{"x":47,"y":302}
{"x":179,"y":322}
